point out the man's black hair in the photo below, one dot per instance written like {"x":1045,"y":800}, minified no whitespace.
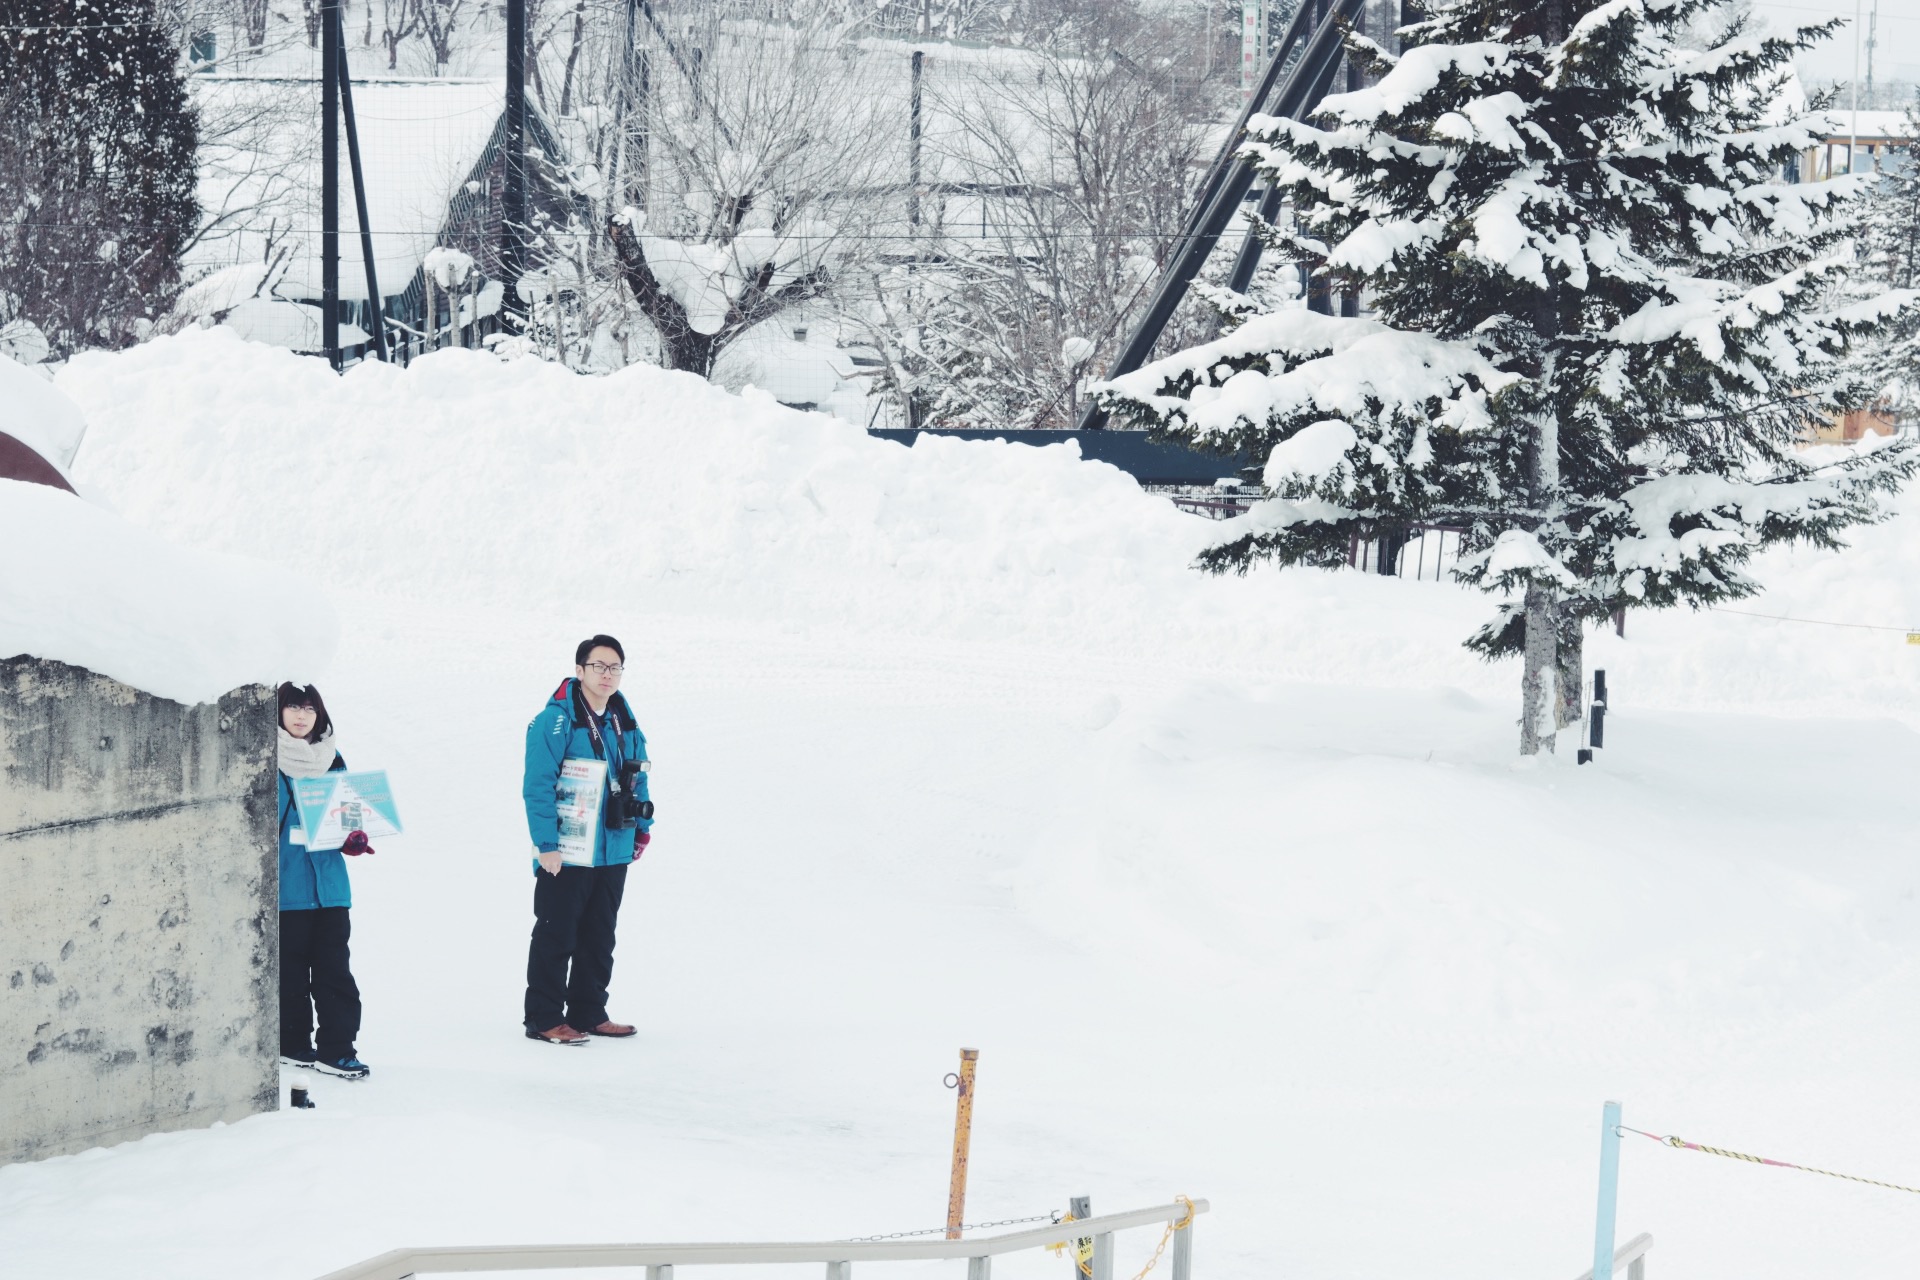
{"x":588,"y":645}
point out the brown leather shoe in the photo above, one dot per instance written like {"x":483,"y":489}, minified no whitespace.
{"x":614,"y":1029}
{"x":562,"y":1034}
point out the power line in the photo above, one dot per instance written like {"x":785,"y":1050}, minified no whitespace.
{"x":1811,"y":622}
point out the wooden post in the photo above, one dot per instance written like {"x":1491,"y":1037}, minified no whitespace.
{"x":433,"y":334}
{"x":962,"y":1140}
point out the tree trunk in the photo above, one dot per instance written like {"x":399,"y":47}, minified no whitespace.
{"x":1536,"y":720}
{"x":1542,"y":616}
{"x":1569,"y":669}
{"x":688,"y":351}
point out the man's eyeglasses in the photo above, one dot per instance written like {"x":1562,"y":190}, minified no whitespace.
{"x":605,"y":668}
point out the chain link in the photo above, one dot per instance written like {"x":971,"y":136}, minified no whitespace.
{"x":1054,"y":1216}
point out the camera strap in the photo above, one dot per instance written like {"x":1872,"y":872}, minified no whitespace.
{"x":600,"y":744}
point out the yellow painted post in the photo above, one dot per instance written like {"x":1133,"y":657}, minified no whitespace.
{"x":962,"y":1139}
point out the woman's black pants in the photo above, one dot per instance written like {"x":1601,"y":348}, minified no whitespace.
{"x":314,"y":977}
{"x":570,"y":957}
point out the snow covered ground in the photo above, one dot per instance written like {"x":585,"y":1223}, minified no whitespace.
{"x":1233,"y":883}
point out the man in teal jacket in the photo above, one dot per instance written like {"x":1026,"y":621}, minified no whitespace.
{"x":582,"y":847}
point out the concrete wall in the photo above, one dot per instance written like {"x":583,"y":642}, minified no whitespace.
{"x":139,"y":897}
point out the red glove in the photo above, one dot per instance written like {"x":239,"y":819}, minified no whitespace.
{"x":640,"y":843}
{"x":356,"y":844}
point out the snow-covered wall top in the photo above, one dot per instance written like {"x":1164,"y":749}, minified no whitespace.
{"x":80,"y":584}
{"x":33,"y":412}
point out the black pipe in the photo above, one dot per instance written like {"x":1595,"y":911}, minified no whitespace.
{"x":1301,"y":24}
{"x":913,"y":141}
{"x":1316,"y":65}
{"x":330,"y":180}
{"x":513,"y":213}
{"x":1248,"y":260}
{"x":375,"y":315}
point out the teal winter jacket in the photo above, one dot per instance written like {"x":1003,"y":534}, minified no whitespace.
{"x":560,"y":732}
{"x":309,"y":878}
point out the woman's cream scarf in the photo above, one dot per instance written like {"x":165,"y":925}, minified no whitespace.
{"x":302,"y":759}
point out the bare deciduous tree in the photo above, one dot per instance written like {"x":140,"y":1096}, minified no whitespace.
{"x":1063,"y":179}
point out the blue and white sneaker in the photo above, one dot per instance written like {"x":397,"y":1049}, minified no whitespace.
{"x":347,"y":1068}
{"x":296,"y":1059}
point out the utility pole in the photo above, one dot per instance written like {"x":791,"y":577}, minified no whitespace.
{"x":513,"y":211}
{"x":1853,"y":138}
{"x":1873,"y":27}
{"x":330,"y":22}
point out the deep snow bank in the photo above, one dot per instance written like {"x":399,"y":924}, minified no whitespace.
{"x":517,"y":486}
{"x":471,"y":482}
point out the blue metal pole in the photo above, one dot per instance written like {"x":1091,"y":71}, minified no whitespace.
{"x":1609,"y":1191}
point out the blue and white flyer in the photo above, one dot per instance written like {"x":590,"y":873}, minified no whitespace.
{"x":336,"y":804}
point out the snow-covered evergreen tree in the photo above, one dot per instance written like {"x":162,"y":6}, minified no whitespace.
{"x":1602,"y":321}
{"x":96,"y":169}
{"x":1890,"y":252}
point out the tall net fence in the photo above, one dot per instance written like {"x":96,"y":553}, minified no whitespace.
{"x":901,"y":229}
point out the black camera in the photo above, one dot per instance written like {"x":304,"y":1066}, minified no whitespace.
{"x":624,"y":806}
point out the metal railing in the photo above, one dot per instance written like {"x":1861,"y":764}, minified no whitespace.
{"x":1408,"y":555}
{"x":1632,"y":1255}
{"x":837,"y":1256}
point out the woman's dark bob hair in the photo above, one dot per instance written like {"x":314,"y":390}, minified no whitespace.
{"x":293,"y":695}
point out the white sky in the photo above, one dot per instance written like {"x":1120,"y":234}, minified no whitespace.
{"x":1897,"y":37}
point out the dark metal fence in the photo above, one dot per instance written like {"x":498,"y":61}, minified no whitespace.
{"x":1424,"y":552}
{"x":1149,"y":463}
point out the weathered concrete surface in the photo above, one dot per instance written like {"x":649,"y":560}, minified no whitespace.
{"x":139,"y":890}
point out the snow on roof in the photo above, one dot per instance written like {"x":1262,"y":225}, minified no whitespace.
{"x":419,"y":141}
{"x":1876,"y":125}
{"x":293,"y":325}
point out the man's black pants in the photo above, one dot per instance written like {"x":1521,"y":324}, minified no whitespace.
{"x":314,"y":977}
{"x":574,"y":917}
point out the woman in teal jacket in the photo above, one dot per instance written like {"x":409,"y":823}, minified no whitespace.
{"x":315,"y":974}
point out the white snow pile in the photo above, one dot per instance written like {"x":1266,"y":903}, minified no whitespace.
{"x":81,"y":585}
{"x":487,"y":484}
{"x":517,"y":488}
